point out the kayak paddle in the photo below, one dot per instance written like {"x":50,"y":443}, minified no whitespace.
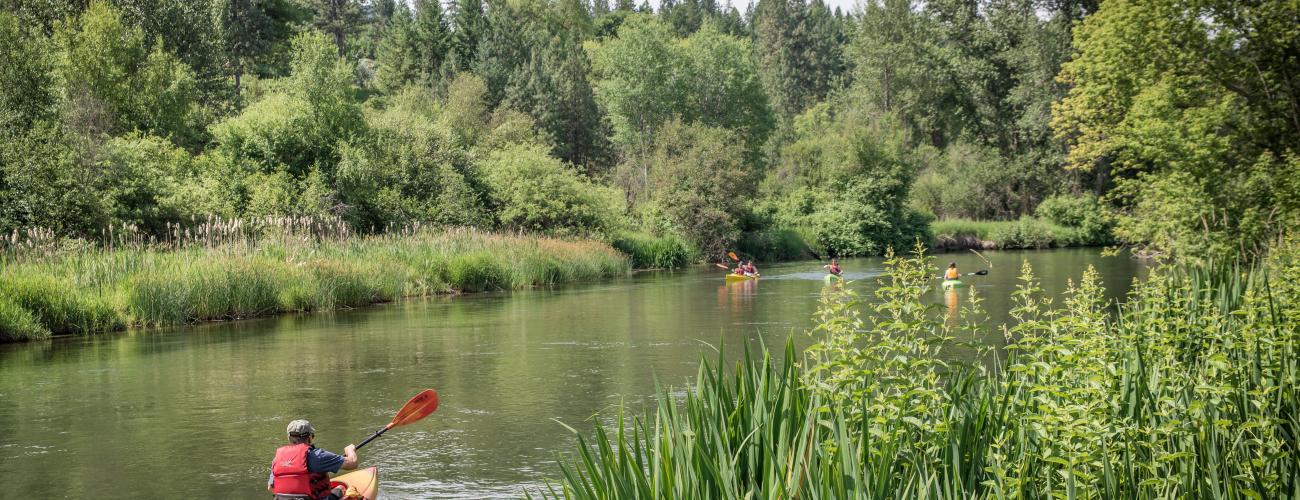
{"x":413,"y":411}
{"x":981,"y":272}
{"x":733,"y":256}
{"x":722,"y":266}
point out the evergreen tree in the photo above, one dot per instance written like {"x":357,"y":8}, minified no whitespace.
{"x":430,"y":39}
{"x":338,"y":18}
{"x":553,"y":89}
{"x":467,"y":26}
{"x":397,"y":54}
{"x":779,"y":45}
{"x":247,"y":33}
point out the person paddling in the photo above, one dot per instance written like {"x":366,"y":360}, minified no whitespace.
{"x":952,"y":273}
{"x":750,"y":270}
{"x":834,"y":268}
{"x":301,"y":471}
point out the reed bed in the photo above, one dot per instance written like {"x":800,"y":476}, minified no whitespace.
{"x":311,"y":268}
{"x":655,"y":252}
{"x":1188,"y":388}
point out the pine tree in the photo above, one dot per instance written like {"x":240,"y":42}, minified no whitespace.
{"x":338,"y":18}
{"x":429,"y":38}
{"x":468,"y":25}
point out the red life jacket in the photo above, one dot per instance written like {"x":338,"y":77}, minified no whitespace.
{"x":292,"y":476}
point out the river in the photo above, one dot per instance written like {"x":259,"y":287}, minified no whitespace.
{"x":196,"y":412}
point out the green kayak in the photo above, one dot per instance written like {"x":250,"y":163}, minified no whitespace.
{"x":831,"y":278}
{"x":950,"y":284}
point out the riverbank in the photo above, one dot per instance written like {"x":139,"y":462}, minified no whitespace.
{"x":1185,"y":389}
{"x":1025,"y":233}
{"x":97,"y":290}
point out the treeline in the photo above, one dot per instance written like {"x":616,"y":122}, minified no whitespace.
{"x":1168,"y":124}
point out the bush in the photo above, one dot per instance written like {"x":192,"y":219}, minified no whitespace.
{"x":1027,"y":232}
{"x":653,"y":252}
{"x":1083,"y":213}
{"x":536,"y":192}
{"x":774,"y":245}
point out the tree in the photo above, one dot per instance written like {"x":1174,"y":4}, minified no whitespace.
{"x":701,"y":181}
{"x":114,"y":82}
{"x":1189,"y":107}
{"x":339,"y":18}
{"x":467,"y":26}
{"x":247,"y":31}
{"x":554,"y":90}
{"x":300,"y":128}
{"x":27,"y":90}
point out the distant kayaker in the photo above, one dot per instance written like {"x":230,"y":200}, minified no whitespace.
{"x":301,"y":471}
{"x":834,"y":268}
{"x":750,"y":270}
{"x":952,"y":273}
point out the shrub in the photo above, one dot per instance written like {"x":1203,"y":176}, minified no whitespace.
{"x":1082,"y":213}
{"x":1027,"y":232}
{"x":774,"y":245}
{"x":536,"y":192}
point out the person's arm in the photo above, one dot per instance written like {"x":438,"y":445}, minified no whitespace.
{"x":350,"y":457}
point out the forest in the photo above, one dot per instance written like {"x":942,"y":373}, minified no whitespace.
{"x":1170,"y":127}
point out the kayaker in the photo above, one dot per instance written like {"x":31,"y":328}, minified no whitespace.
{"x":750,"y":270}
{"x":301,"y":471}
{"x":952,"y":273}
{"x":834,"y":267}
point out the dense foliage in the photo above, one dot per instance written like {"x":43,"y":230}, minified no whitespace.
{"x":852,"y":130}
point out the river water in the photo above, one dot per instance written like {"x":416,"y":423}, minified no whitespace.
{"x":196,"y":412}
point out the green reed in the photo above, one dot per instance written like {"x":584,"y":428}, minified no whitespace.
{"x":1188,"y":388}
{"x":99,"y":289}
{"x":654,"y":252}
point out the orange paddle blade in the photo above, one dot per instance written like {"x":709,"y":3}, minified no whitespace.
{"x":416,"y":409}
{"x":733,"y":256}
{"x":723,"y":266}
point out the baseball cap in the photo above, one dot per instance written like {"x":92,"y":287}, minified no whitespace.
{"x":301,"y":428}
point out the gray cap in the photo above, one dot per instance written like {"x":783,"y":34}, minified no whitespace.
{"x":301,"y":428}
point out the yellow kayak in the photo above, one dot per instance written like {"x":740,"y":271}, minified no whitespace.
{"x":364,"y":482}
{"x":733,"y":277}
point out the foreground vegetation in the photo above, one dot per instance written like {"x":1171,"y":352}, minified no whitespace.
{"x":1188,"y":389}
{"x":96,"y":290}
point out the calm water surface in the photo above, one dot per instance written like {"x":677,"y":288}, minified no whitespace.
{"x":197,"y":412}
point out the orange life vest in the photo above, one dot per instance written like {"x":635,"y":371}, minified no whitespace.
{"x":952,"y":274}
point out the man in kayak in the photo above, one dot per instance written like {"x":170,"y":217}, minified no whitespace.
{"x":952,"y":273}
{"x":301,"y":471}
{"x":750,"y":270}
{"x":834,"y":268}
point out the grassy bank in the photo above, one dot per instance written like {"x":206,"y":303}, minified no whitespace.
{"x":1188,"y":389}
{"x":1027,"y":232}
{"x":655,"y":252}
{"x":96,"y":290}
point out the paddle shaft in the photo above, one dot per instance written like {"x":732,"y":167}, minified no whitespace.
{"x":372,"y":437}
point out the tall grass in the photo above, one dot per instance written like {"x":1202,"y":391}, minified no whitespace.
{"x":1188,"y":388}
{"x":99,"y":289}
{"x":654,"y":252}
